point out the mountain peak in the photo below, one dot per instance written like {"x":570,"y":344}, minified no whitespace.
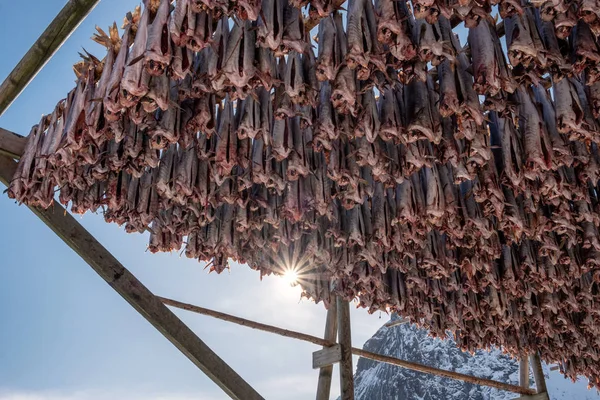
{"x":379,"y":381}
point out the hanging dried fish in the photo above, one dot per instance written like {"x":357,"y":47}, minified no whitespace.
{"x":157,"y":56}
{"x":485,"y":68}
{"x":271,"y":24}
{"x":411,"y":201}
{"x":363,"y":46}
{"x":112,"y":106}
{"x":586,"y":52}
{"x":394,"y":28}
{"x":239,"y":58}
{"x":226,"y":151}
{"x":343,"y":95}
{"x":201,"y":26}
{"x":423,"y":119}
{"x":134,"y":83}
{"x":368,"y":123}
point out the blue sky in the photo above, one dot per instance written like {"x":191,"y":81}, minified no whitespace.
{"x":64,"y":334}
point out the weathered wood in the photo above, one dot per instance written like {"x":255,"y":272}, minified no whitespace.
{"x":359,"y":352}
{"x":345,"y":340}
{"x":524,"y":371}
{"x":446,"y":374}
{"x":246,"y":322}
{"x":327,"y":356}
{"x":137,"y":295}
{"x":326,"y":373}
{"x":538,"y":373}
{"x":67,"y":20}
{"x":397,"y":322}
{"x":11,"y":144}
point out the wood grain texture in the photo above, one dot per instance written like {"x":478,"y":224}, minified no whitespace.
{"x":446,"y":374}
{"x":356,"y":351}
{"x":11,"y":144}
{"x":246,"y":322}
{"x":538,"y":373}
{"x":345,"y":340}
{"x":137,"y":295}
{"x":524,"y":371}
{"x":326,"y":373}
{"x":327,"y":356}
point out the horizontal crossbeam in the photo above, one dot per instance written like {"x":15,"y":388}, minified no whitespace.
{"x":247,"y":323}
{"x":359,"y":352}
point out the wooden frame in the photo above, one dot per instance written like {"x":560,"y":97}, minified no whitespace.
{"x":137,"y":295}
{"x":355,"y":351}
{"x":152,"y":307}
{"x":11,"y":144}
{"x":326,"y":373}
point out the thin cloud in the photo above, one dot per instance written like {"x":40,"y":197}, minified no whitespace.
{"x":101,"y":395}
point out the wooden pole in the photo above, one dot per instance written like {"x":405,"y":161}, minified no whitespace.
{"x":440,"y":372}
{"x":11,"y":144}
{"x":345,"y":340}
{"x":137,"y":295}
{"x":524,"y":371}
{"x":359,"y":352}
{"x":401,"y":321}
{"x":538,"y":373}
{"x":325,"y":373}
{"x":247,"y":322}
{"x":67,"y":20}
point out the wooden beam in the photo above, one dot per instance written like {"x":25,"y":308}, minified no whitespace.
{"x":345,"y":340}
{"x":326,"y":373}
{"x":524,"y":371}
{"x":440,"y":372}
{"x":246,"y":322}
{"x":11,"y":144}
{"x":327,"y":356}
{"x":137,"y":295}
{"x":359,"y":352}
{"x":67,"y":20}
{"x":401,"y":321}
{"x":538,"y":373}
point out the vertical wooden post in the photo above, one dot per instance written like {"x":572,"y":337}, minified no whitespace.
{"x":524,"y":371}
{"x":538,"y":373}
{"x":345,"y":340}
{"x":325,"y":373}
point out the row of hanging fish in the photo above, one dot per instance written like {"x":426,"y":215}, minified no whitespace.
{"x":443,"y":182}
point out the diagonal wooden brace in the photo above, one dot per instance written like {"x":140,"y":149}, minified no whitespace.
{"x":137,"y":295}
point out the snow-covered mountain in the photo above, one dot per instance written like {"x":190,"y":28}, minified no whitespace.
{"x":378,"y":381}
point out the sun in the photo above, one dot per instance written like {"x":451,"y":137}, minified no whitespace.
{"x":290,"y":276}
